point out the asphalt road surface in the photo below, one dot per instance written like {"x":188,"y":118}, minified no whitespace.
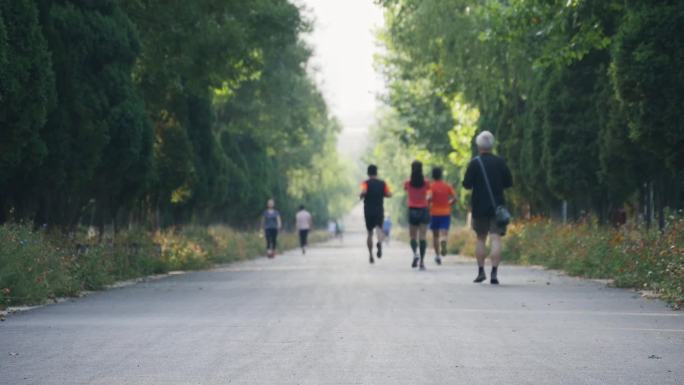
{"x":331,"y":318}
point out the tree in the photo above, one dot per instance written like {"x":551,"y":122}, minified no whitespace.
{"x":26,"y":97}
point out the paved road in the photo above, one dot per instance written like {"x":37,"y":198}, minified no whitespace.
{"x":331,"y":318}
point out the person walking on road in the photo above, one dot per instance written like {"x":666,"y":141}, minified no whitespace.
{"x":387,"y":228}
{"x":442,"y":197}
{"x":417,"y":188}
{"x":271,"y":223}
{"x":373,"y":192}
{"x":304,"y":222}
{"x":484,"y":173}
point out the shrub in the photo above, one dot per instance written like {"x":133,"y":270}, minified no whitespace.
{"x":632,"y":256}
{"x":31,"y":269}
{"x":35,"y":266}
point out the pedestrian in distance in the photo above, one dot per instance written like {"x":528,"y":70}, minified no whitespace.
{"x":488,"y":176}
{"x":417,"y":188}
{"x":304,"y":223}
{"x":332,"y":228}
{"x":442,"y":196}
{"x":271,"y":223}
{"x":373,"y":192}
{"x":387,"y":228}
{"x":339,"y":230}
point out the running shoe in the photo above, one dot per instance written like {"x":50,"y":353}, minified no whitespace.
{"x":494,"y":281}
{"x":438,"y":259}
{"x":415,"y":261}
{"x":480,"y":278}
{"x":422,"y":265}
{"x":379,"y":254}
{"x":371,"y":260}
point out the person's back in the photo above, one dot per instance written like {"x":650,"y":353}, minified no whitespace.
{"x":375,"y":192}
{"x":271,"y":223}
{"x":499,"y":179}
{"x":303,"y":220}
{"x":271,"y":219}
{"x":416,"y":197}
{"x":441,"y":195}
{"x":484,"y":222}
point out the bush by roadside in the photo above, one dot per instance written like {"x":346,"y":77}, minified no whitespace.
{"x":631,"y":256}
{"x":36,"y":266}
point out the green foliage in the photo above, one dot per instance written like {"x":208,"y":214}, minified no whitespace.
{"x":584,"y":96}
{"x":633,"y":257}
{"x":26,"y":97}
{"x":36,"y":266}
{"x":161,"y":113}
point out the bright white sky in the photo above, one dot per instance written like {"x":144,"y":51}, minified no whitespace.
{"x":344,"y":44}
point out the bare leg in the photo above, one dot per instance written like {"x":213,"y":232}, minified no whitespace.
{"x":422,"y":235}
{"x":413,"y":233}
{"x":380,"y":233}
{"x":480,"y":253}
{"x":495,"y":253}
{"x":369,"y":242}
{"x":481,"y":250}
{"x":435,"y":240}
{"x":443,"y":236}
{"x":422,"y":232}
{"x":381,"y":236}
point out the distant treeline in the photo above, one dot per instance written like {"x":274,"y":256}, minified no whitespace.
{"x":586,"y":97}
{"x":160,"y":113}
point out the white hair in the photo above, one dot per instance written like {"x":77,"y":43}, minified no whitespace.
{"x":485,"y":140}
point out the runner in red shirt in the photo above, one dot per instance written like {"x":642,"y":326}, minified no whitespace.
{"x":417,"y":188}
{"x":442,"y":197}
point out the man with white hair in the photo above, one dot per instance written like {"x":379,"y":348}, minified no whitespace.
{"x":483,"y":209}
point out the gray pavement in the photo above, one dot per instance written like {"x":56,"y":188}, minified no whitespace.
{"x":331,"y":318}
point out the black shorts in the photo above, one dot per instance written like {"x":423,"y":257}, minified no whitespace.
{"x":487,"y":225}
{"x":418,"y":216}
{"x":374,"y":218}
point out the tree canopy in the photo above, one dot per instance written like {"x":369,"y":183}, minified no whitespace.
{"x":161,"y":113}
{"x":584,"y":96}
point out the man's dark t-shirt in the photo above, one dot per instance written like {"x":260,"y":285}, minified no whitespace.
{"x":376,"y":190}
{"x":499,"y":178}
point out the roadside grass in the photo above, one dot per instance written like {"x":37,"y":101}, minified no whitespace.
{"x":631,"y":256}
{"x":36,"y":266}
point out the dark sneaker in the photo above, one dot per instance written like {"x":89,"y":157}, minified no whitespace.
{"x":480,"y":278}
{"x":438,"y":259}
{"x":379,"y":254}
{"x":422,"y":265}
{"x":494,"y":281}
{"x":415,"y":262}
{"x":371,"y":260}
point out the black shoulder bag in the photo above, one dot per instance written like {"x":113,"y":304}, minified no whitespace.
{"x":501,"y":213}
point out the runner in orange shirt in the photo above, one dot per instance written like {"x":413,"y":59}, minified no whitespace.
{"x":442,"y":196}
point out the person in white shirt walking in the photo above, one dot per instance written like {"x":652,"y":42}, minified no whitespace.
{"x":304,"y":222}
